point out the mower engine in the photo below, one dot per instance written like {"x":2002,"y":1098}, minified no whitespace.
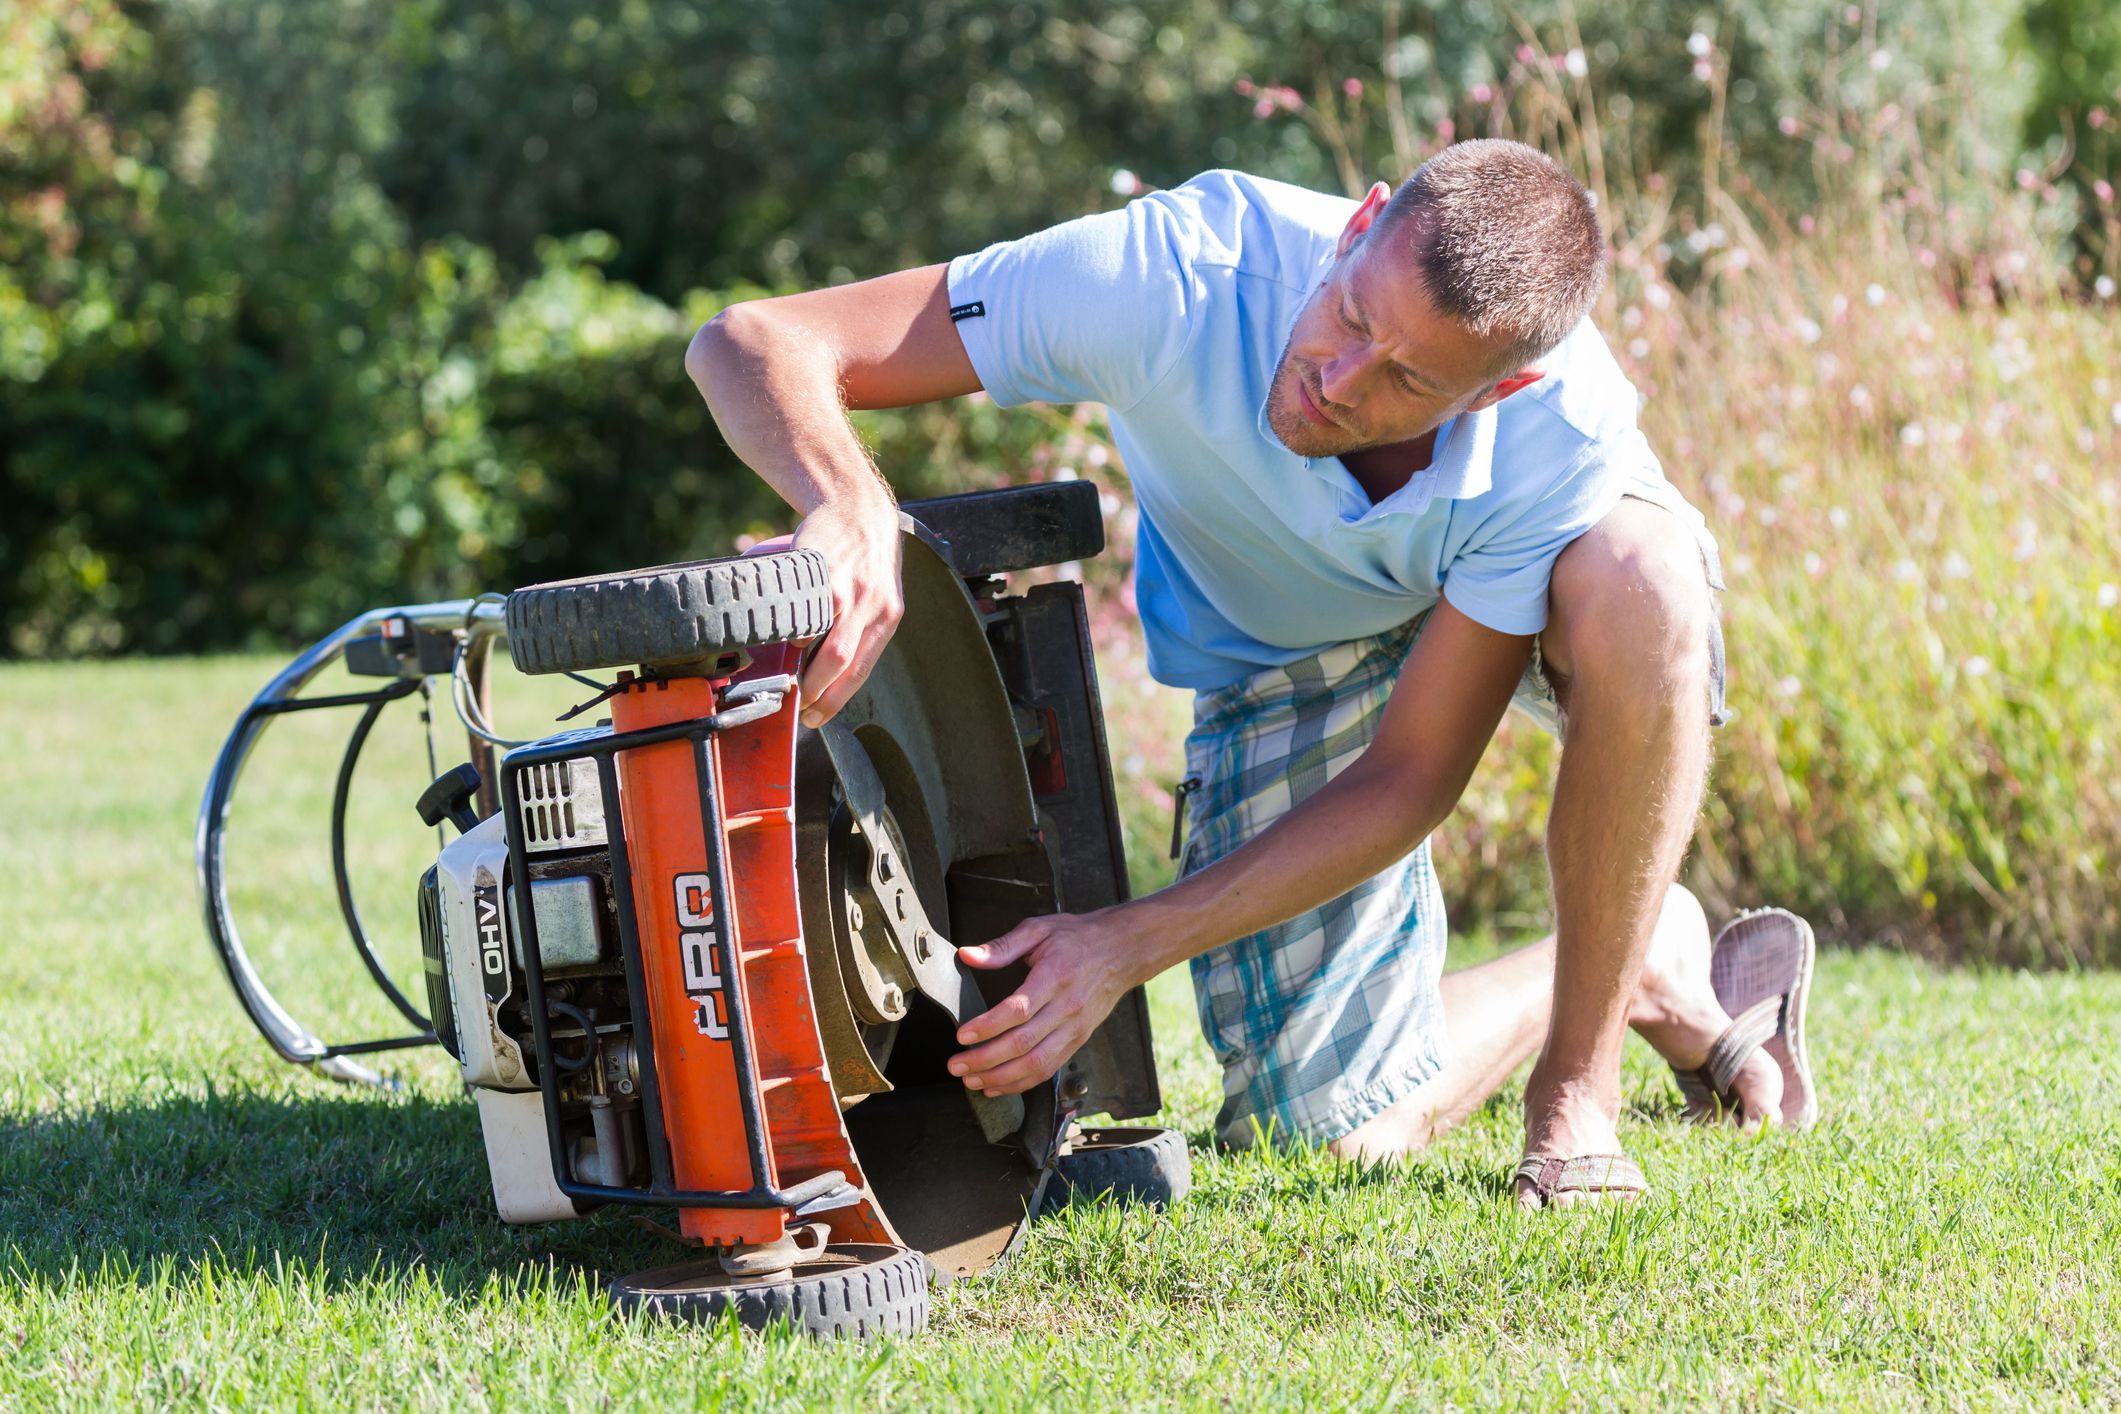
{"x":471,"y":936}
{"x":697,"y":956}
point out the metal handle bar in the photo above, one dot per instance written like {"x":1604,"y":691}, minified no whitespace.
{"x":481,"y":621}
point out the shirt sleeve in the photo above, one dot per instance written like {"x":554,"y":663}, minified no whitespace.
{"x":1092,"y":310}
{"x":1500,"y":578}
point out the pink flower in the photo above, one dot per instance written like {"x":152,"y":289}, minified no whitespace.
{"x":1246,"y":88}
{"x":2026,"y":180}
{"x":1480,"y":93}
{"x":1526,"y":54}
{"x":1787,"y":125}
{"x":1351,"y":87}
{"x":1289,"y":98}
{"x":1703,"y":69}
{"x":2097,"y":117}
{"x":1263,"y":109}
{"x":2104,"y":190}
{"x":1446,"y":130}
{"x":1806,"y":224}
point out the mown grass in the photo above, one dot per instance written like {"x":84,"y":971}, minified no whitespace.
{"x":185,"y":1222}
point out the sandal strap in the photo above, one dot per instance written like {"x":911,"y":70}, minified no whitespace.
{"x":1586,"y":1173}
{"x":1745,"y":1035}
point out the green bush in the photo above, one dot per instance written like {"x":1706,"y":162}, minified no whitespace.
{"x":2074,"y":120}
{"x":312,"y":306}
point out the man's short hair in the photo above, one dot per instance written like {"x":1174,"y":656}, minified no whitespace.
{"x":1507,"y":242}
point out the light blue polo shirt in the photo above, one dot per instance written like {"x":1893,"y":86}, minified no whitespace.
{"x":1173,"y":313}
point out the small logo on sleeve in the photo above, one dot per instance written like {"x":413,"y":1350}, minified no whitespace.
{"x":961,"y":312}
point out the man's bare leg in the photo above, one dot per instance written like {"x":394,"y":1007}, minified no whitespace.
{"x":1497,"y":1016}
{"x":1626,"y":647}
{"x":1499,"y":1013}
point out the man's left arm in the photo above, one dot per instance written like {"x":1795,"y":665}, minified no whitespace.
{"x":1451,"y":693}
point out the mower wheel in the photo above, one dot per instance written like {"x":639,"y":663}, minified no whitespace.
{"x":849,"y":1291}
{"x":1131,"y":1165}
{"x":670,"y":614}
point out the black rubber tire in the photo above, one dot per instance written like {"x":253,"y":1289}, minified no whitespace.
{"x":669,"y":614}
{"x":1137,"y":1165}
{"x":850,"y":1291}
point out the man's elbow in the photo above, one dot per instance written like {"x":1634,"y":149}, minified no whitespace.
{"x":720,"y":344}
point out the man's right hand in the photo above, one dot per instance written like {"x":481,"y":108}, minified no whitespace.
{"x":780,"y":376}
{"x":860,"y":543}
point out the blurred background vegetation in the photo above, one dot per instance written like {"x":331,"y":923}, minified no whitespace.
{"x":306,"y":308}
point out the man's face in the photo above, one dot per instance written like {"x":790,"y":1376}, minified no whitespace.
{"x":1372,"y":361}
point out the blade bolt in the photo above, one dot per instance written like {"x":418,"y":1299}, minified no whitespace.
{"x":894,"y":1000}
{"x":854,"y":916}
{"x":884,"y":867}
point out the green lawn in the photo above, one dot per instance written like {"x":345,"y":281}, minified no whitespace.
{"x":186,"y":1221}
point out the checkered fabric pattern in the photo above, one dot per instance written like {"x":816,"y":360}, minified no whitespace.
{"x":1328,"y":1019}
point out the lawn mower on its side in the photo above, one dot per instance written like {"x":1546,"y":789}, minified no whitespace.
{"x":697,"y":956}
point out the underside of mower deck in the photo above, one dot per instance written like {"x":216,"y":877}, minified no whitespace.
{"x":697,"y":956}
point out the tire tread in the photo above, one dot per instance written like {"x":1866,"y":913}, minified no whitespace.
{"x":670,"y":614}
{"x":1130,"y":1164}
{"x":886,"y":1295}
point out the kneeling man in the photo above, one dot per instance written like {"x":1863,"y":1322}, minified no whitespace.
{"x":1390,"y":482}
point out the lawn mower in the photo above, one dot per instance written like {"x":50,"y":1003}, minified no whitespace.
{"x":698,"y":956}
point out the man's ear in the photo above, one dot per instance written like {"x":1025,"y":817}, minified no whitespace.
{"x":1522,"y":378}
{"x":1361,"y":221}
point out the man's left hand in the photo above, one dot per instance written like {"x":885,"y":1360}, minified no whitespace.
{"x":1078,"y":974}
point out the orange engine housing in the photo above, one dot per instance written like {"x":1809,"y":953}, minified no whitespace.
{"x":680,"y":922}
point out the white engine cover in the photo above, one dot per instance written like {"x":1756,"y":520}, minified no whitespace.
{"x":518,"y":1157}
{"x":470,"y":879}
{"x":476,"y":926}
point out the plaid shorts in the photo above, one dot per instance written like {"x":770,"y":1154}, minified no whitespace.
{"x":1325,"y":1021}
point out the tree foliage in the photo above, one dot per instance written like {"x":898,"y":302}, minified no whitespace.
{"x":307,"y":307}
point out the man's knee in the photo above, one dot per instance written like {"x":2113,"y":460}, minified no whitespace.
{"x":1630,"y":608}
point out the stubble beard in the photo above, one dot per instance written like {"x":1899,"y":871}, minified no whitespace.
{"x":1285,"y":417}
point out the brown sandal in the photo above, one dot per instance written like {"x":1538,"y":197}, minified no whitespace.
{"x":1611,"y":1176}
{"x":1761,"y":968}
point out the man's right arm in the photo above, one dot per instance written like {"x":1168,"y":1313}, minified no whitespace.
{"x":780,"y":376}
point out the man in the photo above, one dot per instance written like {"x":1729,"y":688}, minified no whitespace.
{"x":1389,"y":479}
